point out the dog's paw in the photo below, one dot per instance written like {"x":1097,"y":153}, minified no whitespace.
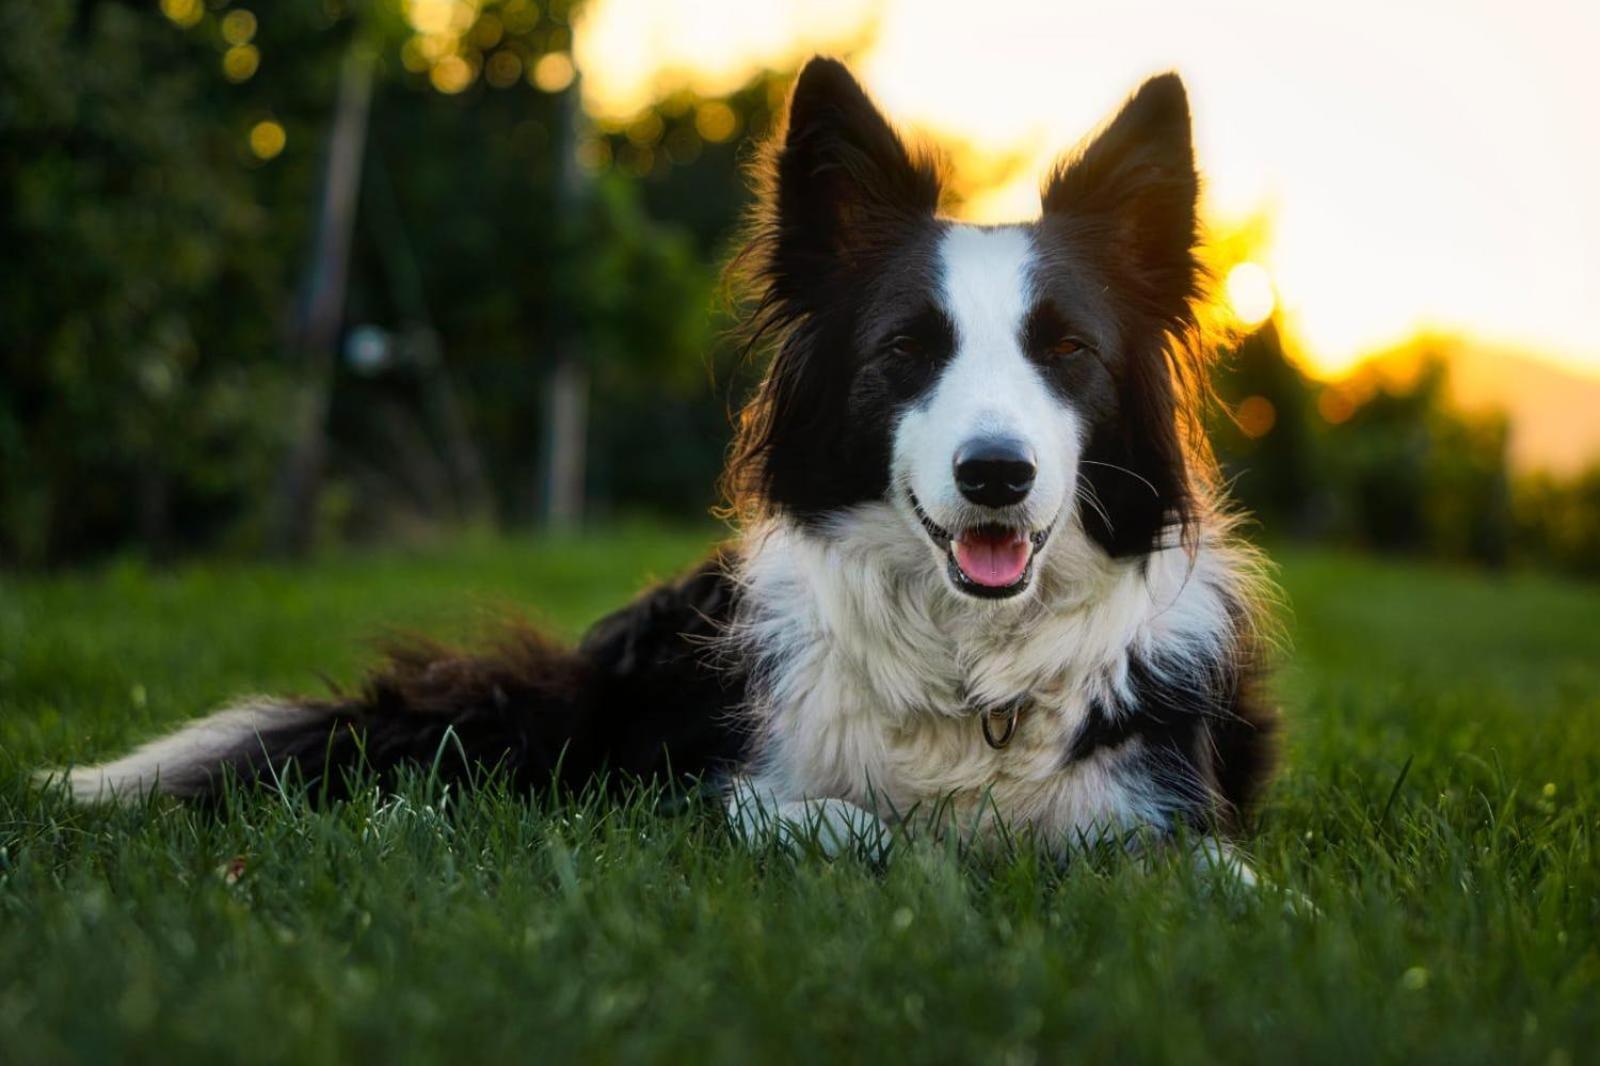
{"x":833,"y":827}
{"x":1224,"y":866}
{"x":1219,"y":860}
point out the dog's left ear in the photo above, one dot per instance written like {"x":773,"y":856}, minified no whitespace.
{"x":1129,"y":195}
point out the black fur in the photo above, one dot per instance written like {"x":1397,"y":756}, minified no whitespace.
{"x":1209,"y":739}
{"x":1124,"y":208}
{"x":841,"y":260}
{"x":640,"y":699}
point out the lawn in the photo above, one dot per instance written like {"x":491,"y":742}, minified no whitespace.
{"x":1440,"y":806}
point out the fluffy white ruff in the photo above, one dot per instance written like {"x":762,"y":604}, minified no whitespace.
{"x":184,"y":762}
{"x":867,"y":665}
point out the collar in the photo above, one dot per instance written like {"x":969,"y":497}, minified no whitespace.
{"x":999,"y":722}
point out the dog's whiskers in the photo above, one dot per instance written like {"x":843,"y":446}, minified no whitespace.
{"x":1086,"y":495}
{"x":1122,"y":469}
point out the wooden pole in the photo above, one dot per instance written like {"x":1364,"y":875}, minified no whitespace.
{"x":567,"y":395}
{"x":315,"y":331}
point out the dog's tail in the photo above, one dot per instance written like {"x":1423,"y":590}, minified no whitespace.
{"x":644,"y":696}
{"x":520,"y":709}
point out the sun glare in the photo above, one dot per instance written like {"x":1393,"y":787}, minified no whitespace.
{"x":1250,"y":295}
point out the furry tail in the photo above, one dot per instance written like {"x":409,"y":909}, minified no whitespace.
{"x":522,"y":709}
{"x":643,"y":696}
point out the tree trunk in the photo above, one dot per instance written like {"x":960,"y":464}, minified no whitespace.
{"x":567,"y":398}
{"x":314,"y":333}
{"x":567,"y":416}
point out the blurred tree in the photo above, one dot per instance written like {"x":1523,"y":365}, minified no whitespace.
{"x":160,"y":179}
{"x":135,"y":400}
{"x":1265,"y":441}
{"x":1381,"y":459}
{"x":1557,"y":521}
{"x":1413,"y":473}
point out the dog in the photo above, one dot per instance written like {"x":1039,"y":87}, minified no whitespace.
{"x":984,"y":576}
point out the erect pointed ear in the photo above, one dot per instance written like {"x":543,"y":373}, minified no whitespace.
{"x":1137,"y":178}
{"x":1129,"y":197}
{"x":843,"y":183}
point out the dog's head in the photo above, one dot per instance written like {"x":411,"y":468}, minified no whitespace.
{"x":993,"y":384}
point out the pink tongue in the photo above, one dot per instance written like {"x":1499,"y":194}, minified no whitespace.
{"x":995,"y":561}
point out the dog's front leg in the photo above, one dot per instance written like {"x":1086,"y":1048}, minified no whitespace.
{"x":833,"y":826}
{"x":1215,"y":860}
{"x":1225,"y":865}
{"x":1219,"y":859}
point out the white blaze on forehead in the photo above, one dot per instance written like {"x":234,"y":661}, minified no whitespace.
{"x":989,"y":387}
{"x":986,"y":284}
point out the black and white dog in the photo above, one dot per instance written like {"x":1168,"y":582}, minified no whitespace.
{"x":983,"y":573}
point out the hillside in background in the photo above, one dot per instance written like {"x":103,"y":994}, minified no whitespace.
{"x":1554,"y":412}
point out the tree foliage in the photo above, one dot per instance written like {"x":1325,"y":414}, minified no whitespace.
{"x":134,"y":387}
{"x":160,"y":195}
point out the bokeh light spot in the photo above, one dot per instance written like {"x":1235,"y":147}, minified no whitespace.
{"x":267,"y":139}
{"x":451,"y":74}
{"x":504,"y":69}
{"x":646,"y":129}
{"x":715,"y":121}
{"x":433,"y":47}
{"x":594,"y":154}
{"x":519,"y":16}
{"x":441,"y":17}
{"x":239,"y":27}
{"x":554,"y":72}
{"x":1250,"y":295}
{"x":412,"y":56}
{"x":240,"y":62}
{"x":1256,"y":416}
{"x":183,"y":12}
{"x":488,"y":32}
{"x":1335,"y":405}
{"x":634,"y":160}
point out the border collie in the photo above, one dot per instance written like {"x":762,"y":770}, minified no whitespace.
{"x":983,"y":571}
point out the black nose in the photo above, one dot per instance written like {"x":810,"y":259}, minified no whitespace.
{"x":994,"y":471}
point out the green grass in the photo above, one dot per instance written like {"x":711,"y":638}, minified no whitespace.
{"x":1459,"y":900}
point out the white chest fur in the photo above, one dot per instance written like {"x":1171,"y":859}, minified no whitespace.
{"x":868,"y":669}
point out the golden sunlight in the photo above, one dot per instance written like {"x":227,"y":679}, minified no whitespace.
{"x":1250,"y":295}
{"x":1424,"y":165}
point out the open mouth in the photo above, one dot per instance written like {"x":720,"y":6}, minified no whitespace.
{"x":990,"y":559}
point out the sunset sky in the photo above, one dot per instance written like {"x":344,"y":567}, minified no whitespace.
{"x":1422,"y":164}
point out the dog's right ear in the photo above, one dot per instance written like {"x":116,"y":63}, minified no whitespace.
{"x":842,"y":184}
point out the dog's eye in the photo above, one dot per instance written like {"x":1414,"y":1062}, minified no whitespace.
{"x":1065,"y":348}
{"x":903,"y":346}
